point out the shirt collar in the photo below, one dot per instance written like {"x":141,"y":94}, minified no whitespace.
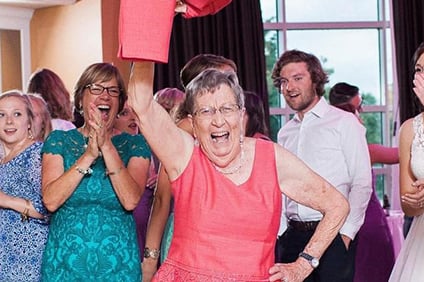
{"x":318,"y":110}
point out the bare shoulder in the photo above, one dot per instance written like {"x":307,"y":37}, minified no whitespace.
{"x":406,"y":129}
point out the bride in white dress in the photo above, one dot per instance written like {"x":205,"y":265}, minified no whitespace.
{"x":409,"y":265}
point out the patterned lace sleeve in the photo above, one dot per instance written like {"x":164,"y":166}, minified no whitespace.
{"x":139,"y":147}
{"x":54,"y":142}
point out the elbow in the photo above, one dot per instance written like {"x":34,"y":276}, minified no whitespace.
{"x":342,"y":210}
{"x":50,"y":205}
{"x":129,"y":205}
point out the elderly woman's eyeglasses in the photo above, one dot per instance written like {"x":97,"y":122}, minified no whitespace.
{"x":208,"y":112}
{"x":97,"y":89}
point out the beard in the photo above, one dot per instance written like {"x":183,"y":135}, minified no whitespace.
{"x":302,"y":102}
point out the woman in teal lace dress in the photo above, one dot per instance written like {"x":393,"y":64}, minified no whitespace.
{"x":92,"y":180}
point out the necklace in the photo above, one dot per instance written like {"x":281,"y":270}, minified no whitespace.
{"x":234,"y":169}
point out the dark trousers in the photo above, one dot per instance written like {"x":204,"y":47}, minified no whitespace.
{"x":336,"y":265}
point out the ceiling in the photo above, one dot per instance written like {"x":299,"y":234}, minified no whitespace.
{"x":36,"y":4}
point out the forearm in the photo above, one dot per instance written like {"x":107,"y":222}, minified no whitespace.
{"x":58,"y":190}
{"x":334,"y":216}
{"x":154,"y":234}
{"x":157,"y":222}
{"x":126,"y":188}
{"x":20,"y":205}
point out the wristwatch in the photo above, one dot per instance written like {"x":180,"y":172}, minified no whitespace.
{"x":151,"y":253}
{"x":313,"y":261}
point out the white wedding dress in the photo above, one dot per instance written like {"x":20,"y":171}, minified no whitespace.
{"x":409,"y":266}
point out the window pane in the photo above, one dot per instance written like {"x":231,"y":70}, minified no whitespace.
{"x":331,"y":10}
{"x":349,"y":55}
{"x":269,"y":10}
{"x":271,"y":56}
{"x":276,"y":122}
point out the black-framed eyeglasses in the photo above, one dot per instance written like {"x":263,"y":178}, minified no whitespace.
{"x":97,"y":89}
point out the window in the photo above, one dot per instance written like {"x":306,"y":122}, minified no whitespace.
{"x":352,"y":40}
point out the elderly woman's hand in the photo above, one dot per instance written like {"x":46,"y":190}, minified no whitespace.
{"x":415,"y":200}
{"x":290,"y":272}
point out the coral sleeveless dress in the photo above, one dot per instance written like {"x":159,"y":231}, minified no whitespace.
{"x":410,"y":262}
{"x":224,"y":231}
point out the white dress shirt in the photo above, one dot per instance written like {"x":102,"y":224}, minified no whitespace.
{"x":331,"y":142}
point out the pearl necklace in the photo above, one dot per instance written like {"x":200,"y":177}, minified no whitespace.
{"x":234,"y":169}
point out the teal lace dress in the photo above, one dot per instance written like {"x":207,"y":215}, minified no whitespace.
{"x":92,"y":237}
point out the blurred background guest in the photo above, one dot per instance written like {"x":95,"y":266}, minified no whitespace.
{"x":375,"y":255}
{"x":254,"y":116}
{"x":42,"y":121}
{"x":23,"y":221}
{"x":51,"y":87}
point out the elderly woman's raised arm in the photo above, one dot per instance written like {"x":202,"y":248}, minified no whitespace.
{"x":171,"y":145}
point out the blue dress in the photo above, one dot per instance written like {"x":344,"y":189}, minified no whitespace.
{"x":92,"y":237}
{"x":22,"y":243}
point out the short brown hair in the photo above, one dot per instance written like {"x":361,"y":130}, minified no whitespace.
{"x":99,"y":72}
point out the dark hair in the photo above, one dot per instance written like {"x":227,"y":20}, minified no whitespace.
{"x":342,"y":93}
{"x":49,"y":85}
{"x":207,"y":82}
{"x":201,"y":62}
{"x":417,"y":54}
{"x":318,"y":75}
{"x":256,"y":114}
{"x":102,"y":72}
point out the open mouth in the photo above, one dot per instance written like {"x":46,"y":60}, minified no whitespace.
{"x":104,"y":109}
{"x":10,"y":130}
{"x":220,"y":137}
{"x":132,"y":125}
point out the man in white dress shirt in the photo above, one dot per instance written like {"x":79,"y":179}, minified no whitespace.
{"x":332,"y":142}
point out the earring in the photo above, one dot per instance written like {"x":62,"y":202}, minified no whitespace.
{"x":81,"y":112}
{"x":30,"y":136}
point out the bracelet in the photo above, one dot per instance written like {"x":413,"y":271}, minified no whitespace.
{"x":113,"y":172}
{"x":151,"y":253}
{"x":25,"y":213}
{"x":84,"y":171}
